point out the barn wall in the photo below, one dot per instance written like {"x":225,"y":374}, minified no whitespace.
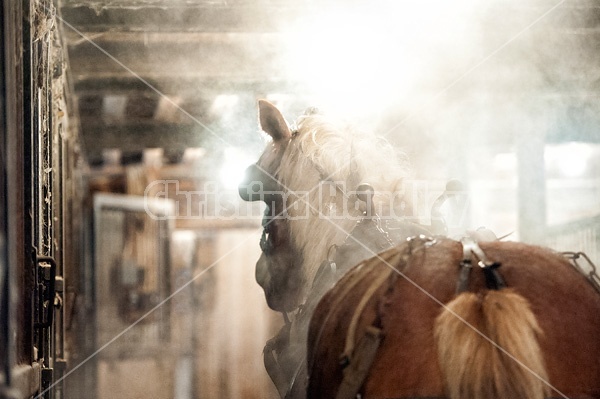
{"x":40,"y":169}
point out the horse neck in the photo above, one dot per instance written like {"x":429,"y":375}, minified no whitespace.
{"x":330,"y":160}
{"x":317,"y":225}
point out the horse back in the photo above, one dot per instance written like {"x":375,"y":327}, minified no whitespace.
{"x":567,"y":308}
{"x":407,"y":304}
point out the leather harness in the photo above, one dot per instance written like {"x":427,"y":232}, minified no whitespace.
{"x":369,"y":236}
{"x":359,"y":353}
{"x":357,"y":359}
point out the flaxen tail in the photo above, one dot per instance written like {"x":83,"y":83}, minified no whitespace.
{"x":510,"y":366}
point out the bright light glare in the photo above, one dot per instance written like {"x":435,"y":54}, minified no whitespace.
{"x":377,"y":53}
{"x":235,"y":163}
{"x":570,"y":158}
{"x":346,"y":57}
{"x":505,"y":162}
{"x":224,"y":103}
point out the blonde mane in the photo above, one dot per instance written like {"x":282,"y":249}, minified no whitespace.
{"x":322,"y":163}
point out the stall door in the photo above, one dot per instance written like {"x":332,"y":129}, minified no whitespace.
{"x":132,"y":330}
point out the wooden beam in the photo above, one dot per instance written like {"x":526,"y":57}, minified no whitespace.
{"x":114,"y":16}
{"x":180,"y":86}
{"x":132,"y":137}
{"x":201,"y":56}
{"x":240,"y":16}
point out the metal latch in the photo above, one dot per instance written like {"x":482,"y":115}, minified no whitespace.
{"x":46,"y":282}
{"x":47,"y":377}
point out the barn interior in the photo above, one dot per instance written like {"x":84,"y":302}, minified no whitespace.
{"x":127,"y":125}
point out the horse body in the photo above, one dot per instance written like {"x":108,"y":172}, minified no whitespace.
{"x":307,"y":176}
{"x":408,"y":308}
{"x":539,"y":337}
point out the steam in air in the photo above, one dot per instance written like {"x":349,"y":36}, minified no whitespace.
{"x":459,"y":86}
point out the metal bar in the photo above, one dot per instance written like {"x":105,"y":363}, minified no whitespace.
{"x":5,"y":346}
{"x":28,"y":165}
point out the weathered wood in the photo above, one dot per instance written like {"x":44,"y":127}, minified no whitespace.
{"x":135,"y":135}
{"x":202,"y":16}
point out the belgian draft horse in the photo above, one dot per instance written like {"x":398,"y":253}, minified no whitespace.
{"x":425,"y":318}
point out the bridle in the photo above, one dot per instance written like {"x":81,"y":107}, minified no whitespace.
{"x":268,"y":241}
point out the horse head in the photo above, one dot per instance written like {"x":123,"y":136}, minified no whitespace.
{"x":307,"y":176}
{"x":278,"y":270}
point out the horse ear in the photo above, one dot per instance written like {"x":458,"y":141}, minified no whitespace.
{"x":272,"y":121}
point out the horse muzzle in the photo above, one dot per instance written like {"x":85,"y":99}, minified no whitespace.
{"x":275,"y":300}
{"x":258,"y":185}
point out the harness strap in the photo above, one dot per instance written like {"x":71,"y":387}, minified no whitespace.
{"x":362,"y":359}
{"x":354,"y":277}
{"x":357,"y":360}
{"x":272,"y":364}
{"x":351,"y":336}
{"x":493,"y":278}
{"x":466,"y":266}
